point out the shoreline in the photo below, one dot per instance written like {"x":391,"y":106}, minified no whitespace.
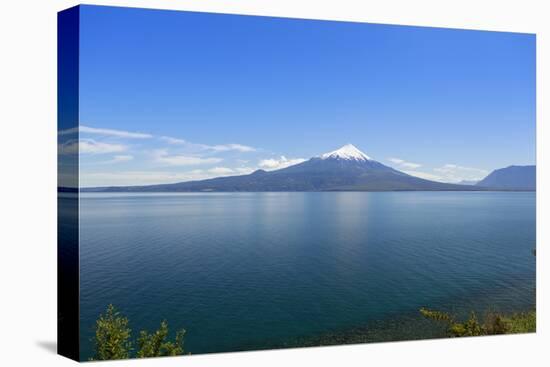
{"x":394,"y":329}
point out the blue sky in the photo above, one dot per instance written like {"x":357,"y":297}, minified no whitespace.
{"x":172,"y":96}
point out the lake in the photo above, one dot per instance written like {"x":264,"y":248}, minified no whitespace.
{"x":261,"y":270}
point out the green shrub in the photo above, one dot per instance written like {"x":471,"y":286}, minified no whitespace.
{"x":494,"y":324}
{"x":112,"y":336}
{"x":156,"y":345}
{"x":113,"y":339}
{"x":522,"y":323}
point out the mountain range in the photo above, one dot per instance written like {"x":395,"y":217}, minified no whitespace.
{"x":511,"y":178}
{"x":345,"y":169}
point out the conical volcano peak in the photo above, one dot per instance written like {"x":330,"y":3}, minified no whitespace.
{"x":348,"y":151}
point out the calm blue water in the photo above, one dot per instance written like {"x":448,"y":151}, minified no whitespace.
{"x":255,"y":270}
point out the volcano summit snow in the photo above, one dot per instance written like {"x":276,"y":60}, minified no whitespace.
{"x":348,"y":151}
{"x":345,"y":169}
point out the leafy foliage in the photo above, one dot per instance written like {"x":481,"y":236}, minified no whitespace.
{"x":521,"y":323}
{"x":112,"y":336}
{"x":113,"y":339}
{"x":435,"y":315}
{"x":494,"y":324}
{"x":156,"y":345}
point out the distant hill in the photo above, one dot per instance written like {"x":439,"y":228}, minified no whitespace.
{"x":345,"y":169}
{"x":468,"y":182}
{"x":511,"y":178}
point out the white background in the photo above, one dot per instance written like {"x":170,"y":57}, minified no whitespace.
{"x":28,"y":182}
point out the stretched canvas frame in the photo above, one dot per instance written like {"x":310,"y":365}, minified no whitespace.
{"x":324,"y":176}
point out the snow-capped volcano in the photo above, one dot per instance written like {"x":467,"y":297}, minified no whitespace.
{"x":348,"y":151}
{"x":345,"y":169}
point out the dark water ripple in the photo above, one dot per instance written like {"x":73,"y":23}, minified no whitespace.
{"x":266,"y":270}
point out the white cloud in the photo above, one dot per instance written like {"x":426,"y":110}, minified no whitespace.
{"x":425,"y":175}
{"x":228,"y":147}
{"x":130,"y":178}
{"x":404,"y":164}
{"x":224,"y":171}
{"x":171,"y":140}
{"x":68,"y":131}
{"x":244,"y":170}
{"x":119,"y":159}
{"x":216,"y":148}
{"x":455,"y":173}
{"x":107,"y":132}
{"x":133,"y":178}
{"x":278,"y":163}
{"x":162,"y":156}
{"x":411,"y":165}
{"x":221,"y":171}
{"x":168,"y":139}
{"x":182,"y":160}
{"x":122,"y":158}
{"x":396,"y":160}
{"x":96,"y":147}
{"x":451,"y":173}
{"x":89,"y":146}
